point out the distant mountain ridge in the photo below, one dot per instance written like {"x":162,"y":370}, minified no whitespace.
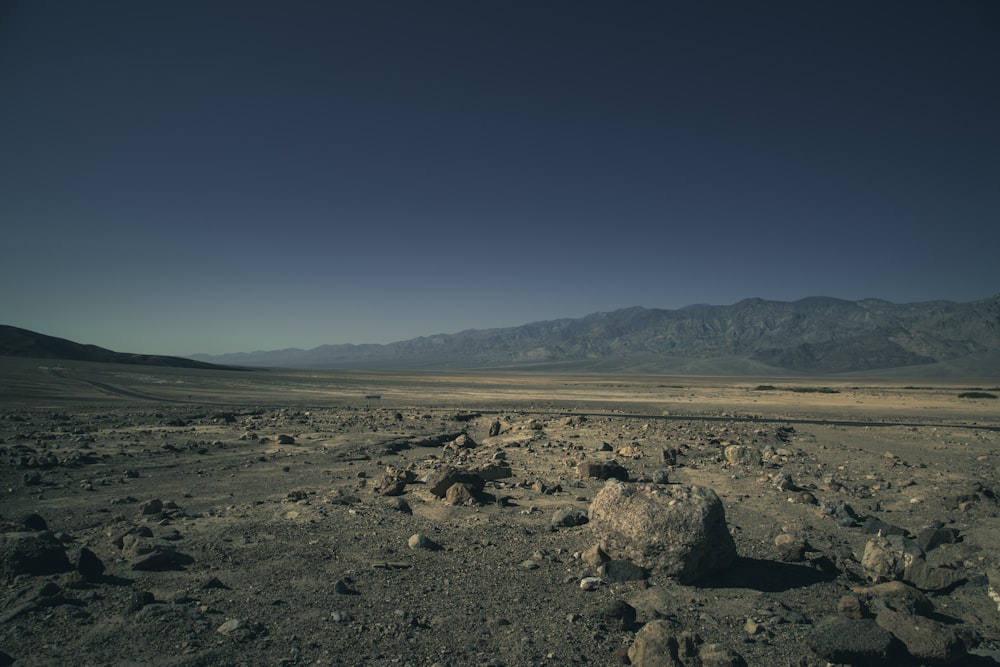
{"x":815,"y":335}
{"x":15,"y":342}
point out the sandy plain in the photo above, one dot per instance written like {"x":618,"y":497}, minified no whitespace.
{"x":284,"y":553}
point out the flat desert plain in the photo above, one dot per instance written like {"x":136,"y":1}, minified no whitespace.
{"x":161,"y":516}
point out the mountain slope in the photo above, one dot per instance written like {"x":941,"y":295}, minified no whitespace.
{"x":15,"y":342}
{"x":754,"y":336}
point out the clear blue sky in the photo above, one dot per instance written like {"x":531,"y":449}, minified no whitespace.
{"x":196,"y":176}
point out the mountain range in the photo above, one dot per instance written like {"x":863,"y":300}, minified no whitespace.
{"x":815,"y":335}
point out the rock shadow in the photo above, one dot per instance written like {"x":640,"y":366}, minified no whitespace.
{"x":770,"y":576}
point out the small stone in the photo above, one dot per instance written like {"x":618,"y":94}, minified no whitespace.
{"x":851,"y":606}
{"x":421,"y":541}
{"x":154,"y":506}
{"x":400,"y":505}
{"x":791,"y":548}
{"x":594,"y":557}
{"x":569,"y":518}
{"x":590,"y":583}
{"x":622,"y":570}
{"x":285,"y":439}
{"x":212,"y":582}
{"x":598,"y":470}
{"x":460,"y":494}
{"x":231,"y":626}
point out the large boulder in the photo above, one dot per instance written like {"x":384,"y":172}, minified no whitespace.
{"x":925,"y":639}
{"x":31,"y":553}
{"x":679,"y":531}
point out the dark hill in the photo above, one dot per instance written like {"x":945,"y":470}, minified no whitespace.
{"x":15,"y":342}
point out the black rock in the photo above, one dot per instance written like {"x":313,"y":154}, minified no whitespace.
{"x":853,"y":642}
{"x":31,"y":553}
{"x":622,"y":612}
{"x":599,"y":470}
{"x":138,"y":600}
{"x":623,"y":570}
{"x":34,"y":522}
{"x":872,"y":526}
{"x":88,"y":564}
{"x":213,"y":582}
{"x":933,"y":537}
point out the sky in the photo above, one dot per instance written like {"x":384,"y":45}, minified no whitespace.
{"x":206,"y":177}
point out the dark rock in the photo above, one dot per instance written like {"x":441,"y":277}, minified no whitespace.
{"x":852,"y":642}
{"x":925,"y":639}
{"x":138,"y":600}
{"x":602,"y":470}
{"x":400,"y":505}
{"x":495,"y":428}
{"x":897,"y":596}
{"x":623,"y":613}
{"x":285,"y":439}
{"x":34,"y":522}
{"x":138,"y":531}
{"x":161,"y":558}
{"x":213,"y":582}
{"x":929,"y":578}
{"x":154,"y":506}
{"x":32,"y":478}
{"x":852,"y":606}
{"x":493,"y":472}
{"x":622,"y":570}
{"x":568,"y":518}
{"x":873,"y":526}
{"x":31,"y":553}
{"x":88,"y":564}
{"x":930,"y":538}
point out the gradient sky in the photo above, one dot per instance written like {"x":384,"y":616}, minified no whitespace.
{"x":194,"y":176}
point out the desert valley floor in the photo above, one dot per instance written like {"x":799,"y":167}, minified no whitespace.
{"x":159,"y":516}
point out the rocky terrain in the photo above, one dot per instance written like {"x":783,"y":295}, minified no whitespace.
{"x":195,"y":517}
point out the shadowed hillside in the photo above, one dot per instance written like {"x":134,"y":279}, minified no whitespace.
{"x":15,"y":342}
